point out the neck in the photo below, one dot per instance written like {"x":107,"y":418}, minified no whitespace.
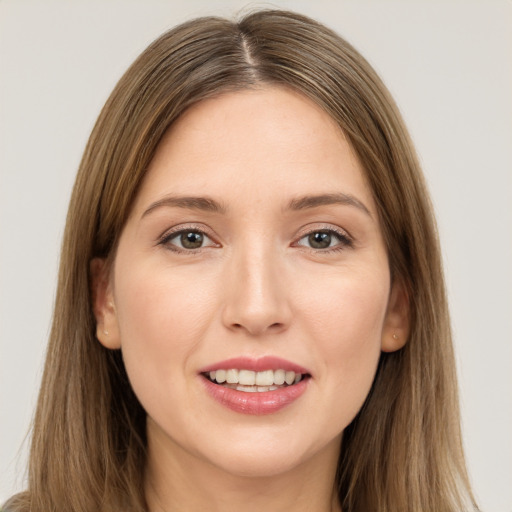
{"x":179,"y":481}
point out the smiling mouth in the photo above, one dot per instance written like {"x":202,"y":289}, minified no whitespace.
{"x":250,"y":381}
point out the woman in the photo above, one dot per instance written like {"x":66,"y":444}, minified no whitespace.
{"x":251,"y":308}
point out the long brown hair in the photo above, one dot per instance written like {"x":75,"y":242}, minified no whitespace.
{"x":403,"y":450}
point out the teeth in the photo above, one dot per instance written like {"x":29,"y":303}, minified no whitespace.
{"x":232,"y":376}
{"x":255,"y":389}
{"x":250,"y":381}
{"x":247,"y":389}
{"x":247,"y":377}
{"x":279,"y":376}
{"x":265,"y":378}
{"x":289,"y":378}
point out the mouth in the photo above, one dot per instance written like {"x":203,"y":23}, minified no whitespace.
{"x":255,"y":386}
{"x":250,"y":381}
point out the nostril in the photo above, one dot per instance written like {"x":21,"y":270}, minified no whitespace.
{"x":255,"y":329}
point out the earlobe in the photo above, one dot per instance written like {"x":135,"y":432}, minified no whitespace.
{"x":396,"y":327}
{"x":107,"y":331}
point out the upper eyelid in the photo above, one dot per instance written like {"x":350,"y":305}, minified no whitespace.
{"x":165,"y":240}
{"x":180,"y":228}
{"x":323,"y":227}
{"x":345,"y":239}
{"x":201,"y":228}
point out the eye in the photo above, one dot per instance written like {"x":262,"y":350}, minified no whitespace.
{"x":325,"y":239}
{"x":187,"y":239}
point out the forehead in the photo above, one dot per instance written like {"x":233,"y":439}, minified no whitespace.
{"x":270,"y":141}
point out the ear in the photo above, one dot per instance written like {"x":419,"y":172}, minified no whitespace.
{"x":397,"y":321}
{"x":107,"y":329}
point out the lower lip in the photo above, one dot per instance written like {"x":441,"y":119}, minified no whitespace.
{"x":257,"y":403}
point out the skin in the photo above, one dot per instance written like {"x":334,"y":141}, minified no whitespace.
{"x":256,"y":287}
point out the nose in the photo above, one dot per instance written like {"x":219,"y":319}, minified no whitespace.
{"x":256,"y":296}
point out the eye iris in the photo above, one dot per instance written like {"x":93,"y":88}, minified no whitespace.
{"x":319,"y":240}
{"x":191,"y":240}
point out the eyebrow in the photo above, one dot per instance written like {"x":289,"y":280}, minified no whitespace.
{"x":306,"y":202}
{"x":208,"y":204}
{"x":204,"y":204}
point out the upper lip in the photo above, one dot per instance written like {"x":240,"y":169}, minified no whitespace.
{"x":255,"y":364}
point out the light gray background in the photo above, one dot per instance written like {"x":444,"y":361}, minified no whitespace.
{"x":449,"y":66}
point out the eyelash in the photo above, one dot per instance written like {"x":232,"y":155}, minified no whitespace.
{"x":344,"y":240}
{"x":166,"y":238}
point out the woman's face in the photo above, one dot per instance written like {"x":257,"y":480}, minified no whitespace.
{"x":253,"y":250}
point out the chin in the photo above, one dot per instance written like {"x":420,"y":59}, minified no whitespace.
{"x":259,"y":466}
{"x":271,"y":455}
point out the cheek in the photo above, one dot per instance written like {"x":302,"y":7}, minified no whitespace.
{"x":345,"y":322}
{"x":162,"y":318}
{"x":161,"y":302}
{"x":346,"y":309}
